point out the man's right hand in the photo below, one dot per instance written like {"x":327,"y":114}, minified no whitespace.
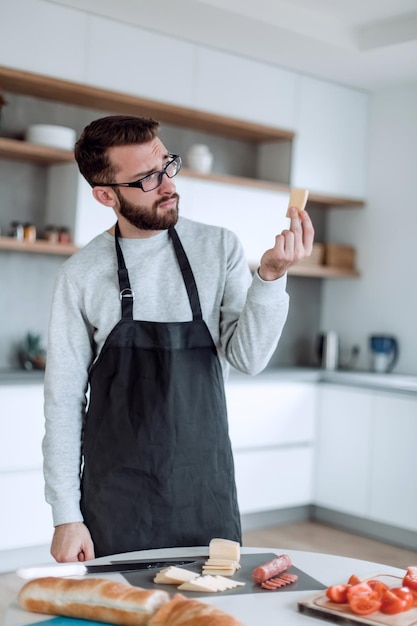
{"x":72,"y":542}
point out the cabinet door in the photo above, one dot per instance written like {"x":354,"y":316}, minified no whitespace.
{"x":42,"y":37}
{"x":255,"y":215}
{"x":21,"y":427}
{"x":132,"y":60}
{"x":26,"y":518}
{"x":330,"y":148}
{"x":265,"y":414}
{"x":393,"y":471}
{"x":344,"y":444}
{"x":240,"y":87}
{"x":275,"y":478}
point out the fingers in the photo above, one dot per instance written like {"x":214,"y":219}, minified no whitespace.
{"x":302,"y":227}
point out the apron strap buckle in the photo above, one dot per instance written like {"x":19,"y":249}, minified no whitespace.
{"x":127,"y":293}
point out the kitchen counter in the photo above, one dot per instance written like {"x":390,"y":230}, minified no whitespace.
{"x":389,"y":382}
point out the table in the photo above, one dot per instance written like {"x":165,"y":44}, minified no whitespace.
{"x":252,"y":609}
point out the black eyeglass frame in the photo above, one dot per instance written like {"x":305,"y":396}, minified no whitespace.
{"x":138,"y":184}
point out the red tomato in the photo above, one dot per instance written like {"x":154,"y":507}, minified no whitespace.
{"x":337,"y":593}
{"x":410,"y":578}
{"x":396,"y":600}
{"x":360,"y":588}
{"x":354,"y":580}
{"x":378,"y":587}
{"x":364,"y":603}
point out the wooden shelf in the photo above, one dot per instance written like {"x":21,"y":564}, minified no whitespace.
{"x":322,"y":271}
{"x":39,"y":246}
{"x":57,"y":90}
{"x":25,"y":151}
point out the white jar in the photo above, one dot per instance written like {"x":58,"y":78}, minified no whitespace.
{"x":199,"y":158}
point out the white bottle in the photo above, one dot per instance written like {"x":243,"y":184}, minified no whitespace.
{"x":199,"y":158}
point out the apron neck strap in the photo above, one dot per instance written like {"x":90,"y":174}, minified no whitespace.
{"x":127,"y":295}
{"x":187,"y":275}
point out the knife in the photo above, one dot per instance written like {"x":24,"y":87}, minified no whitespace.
{"x":79,"y":569}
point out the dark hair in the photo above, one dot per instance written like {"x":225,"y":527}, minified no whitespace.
{"x":115,"y":130}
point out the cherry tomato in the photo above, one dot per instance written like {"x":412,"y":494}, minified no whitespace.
{"x":354,"y":580}
{"x":337,"y":593}
{"x":364,"y":603}
{"x":378,"y":587}
{"x":396,"y":601}
{"x":410,"y":578}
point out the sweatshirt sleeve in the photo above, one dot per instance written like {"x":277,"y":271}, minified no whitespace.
{"x":68,"y":359}
{"x":250,"y":336}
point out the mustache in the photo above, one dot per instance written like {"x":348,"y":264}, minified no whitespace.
{"x":166,"y":198}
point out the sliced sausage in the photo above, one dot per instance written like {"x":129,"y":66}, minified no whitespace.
{"x":271,"y":568}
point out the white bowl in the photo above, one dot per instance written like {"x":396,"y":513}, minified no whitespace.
{"x":51,"y":135}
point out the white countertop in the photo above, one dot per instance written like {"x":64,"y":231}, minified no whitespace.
{"x":253,"y":609}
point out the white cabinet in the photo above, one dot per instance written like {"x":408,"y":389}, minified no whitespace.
{"x":44,"y":37}
{"x":272,"y":430}
{"x":26,"y":518}
{"x":365,"y":454}
{"x":330,"y":149}
{"x":243,"y":88}
{"x":342,"y":477}
{"x":393,"y":498}
{"x":255,"y":215}
{"x":70,"y":202}
{"x":129,"y":59}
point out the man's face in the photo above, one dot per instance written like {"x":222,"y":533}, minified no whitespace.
{"x":152,"y":210}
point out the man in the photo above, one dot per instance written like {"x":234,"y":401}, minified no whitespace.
{"x":146,"y":320}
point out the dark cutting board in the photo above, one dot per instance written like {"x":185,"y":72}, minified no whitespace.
{"x":319,"y":606}
{"x":248,"y":562}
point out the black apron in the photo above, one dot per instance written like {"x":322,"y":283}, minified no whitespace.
{"x":157,"y":461}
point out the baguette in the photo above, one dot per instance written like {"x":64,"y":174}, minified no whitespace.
{"x":182,"y":611}
{"x":96,"y":599}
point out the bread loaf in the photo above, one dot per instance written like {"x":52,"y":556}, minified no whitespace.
{"x":181,"y":611}
{"x":96,"y":599}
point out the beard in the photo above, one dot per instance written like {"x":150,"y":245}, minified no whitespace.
{"x":147,"y":218}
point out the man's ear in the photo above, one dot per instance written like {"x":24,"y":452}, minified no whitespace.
{"x":105,"y":195}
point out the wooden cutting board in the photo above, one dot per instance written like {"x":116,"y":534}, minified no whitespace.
{"x":319,"y":606}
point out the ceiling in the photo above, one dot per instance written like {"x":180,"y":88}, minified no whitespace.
{"x":369,"y":44}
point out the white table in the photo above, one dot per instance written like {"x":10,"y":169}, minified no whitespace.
{"x":252,"y":609}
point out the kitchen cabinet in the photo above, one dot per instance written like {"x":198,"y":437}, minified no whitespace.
{"x":262,"y":93}
{"x":330,"y":148}
{"x":272,"y":430}
{"x":26,"y":518}
{"x":365,"y":448}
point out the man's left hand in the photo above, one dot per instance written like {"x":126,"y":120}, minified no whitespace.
{"x":290,"y":247}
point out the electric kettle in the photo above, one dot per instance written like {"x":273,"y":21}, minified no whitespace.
{"x":327,"y":350}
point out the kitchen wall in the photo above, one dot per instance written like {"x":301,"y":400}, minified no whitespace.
{"x":384,"y":300}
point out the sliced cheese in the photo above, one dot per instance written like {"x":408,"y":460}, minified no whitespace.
{"x":174,"y":575}
{"x":298,"y":199}
{"x":218,"y":572}
{"x":210,"y":584}
{"x":222,"y":563}
{"x":224,"y":549}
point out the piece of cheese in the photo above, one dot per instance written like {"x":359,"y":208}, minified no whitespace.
{"x":210,"y":584}
{"x":220,"y":572}
{"x":174,"y":575}
{"x":223,"y":563}
{"x":298,"y":198}
{"x":224,"y":549}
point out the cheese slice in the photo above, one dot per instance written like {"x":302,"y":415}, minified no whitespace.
{"x":210,"y":584}
{"x":298,"y":198}
{"x":224,"y":549}
{"x":218,"y":572}
{"x":222,"y":563}
{"x":174,"y":575}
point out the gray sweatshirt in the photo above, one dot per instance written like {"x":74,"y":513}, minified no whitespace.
{"x":245,"y":316}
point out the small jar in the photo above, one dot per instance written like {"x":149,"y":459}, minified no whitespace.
{"x":29,"y":232}
{"x":51,"y":234}
{"x":64,"y":235}
{"x":17,"y":230}
{"x":199,"y":158}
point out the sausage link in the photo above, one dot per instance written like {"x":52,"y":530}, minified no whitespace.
{"x":271,"y":568}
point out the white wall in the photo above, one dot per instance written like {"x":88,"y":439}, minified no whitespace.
{"x":384,"y":299}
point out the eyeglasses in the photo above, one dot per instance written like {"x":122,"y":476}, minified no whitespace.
{"x":152,"y":181}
